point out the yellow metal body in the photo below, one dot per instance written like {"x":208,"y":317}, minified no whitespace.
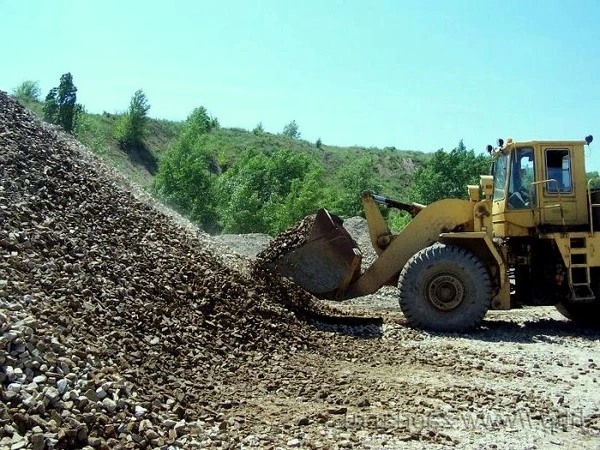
{"x":551,"y":206}
{"x":580,"y":252}
{"x":560,"y":204}
{"x":448,"y":220}
{"x":395,"y":250}
{"x":588,"y":245}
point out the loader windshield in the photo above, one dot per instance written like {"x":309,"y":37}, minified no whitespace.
{"x":500,"y":176}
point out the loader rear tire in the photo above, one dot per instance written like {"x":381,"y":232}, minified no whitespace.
{"x":586,"y":314}
{"x":445,"y":288}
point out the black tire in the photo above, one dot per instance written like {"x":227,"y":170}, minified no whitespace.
{"x":445,"y":288}
{"x":587,"y":314}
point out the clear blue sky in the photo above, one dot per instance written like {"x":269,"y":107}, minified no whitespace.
{"x":414,"y":75}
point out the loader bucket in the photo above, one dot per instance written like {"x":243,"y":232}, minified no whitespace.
{"x":327,"y":263}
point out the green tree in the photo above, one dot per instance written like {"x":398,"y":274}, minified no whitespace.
{"x":291,"y":130}
{"x":131,"y":128}
{"x":593,"y":176}
{"x":348,"y":183}
{"x":59,"y":106}
{"x":87,"y":130}
{"x":198,"y":123}
{"x":306,"y":196}
{"x":67,"y":99}
{"x":319,"y":143}
{"x":28,"y":91}
{"x":258,"y":128}
{"x":81,"y":122}
{"x":268,"y":192}
{"x":397,"y":220}
{"x":447,"y":175}
{"x":50,"y":108}
{"x":243,"y":192}
{"x":188,"y":172}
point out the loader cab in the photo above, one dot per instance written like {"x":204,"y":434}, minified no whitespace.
{"x":538,"y":186}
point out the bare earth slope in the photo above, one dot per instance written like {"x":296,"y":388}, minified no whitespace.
{"x":120,"y":328}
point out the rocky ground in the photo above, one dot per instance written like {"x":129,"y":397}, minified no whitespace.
{"x":122,"y":327}
{"x":527,"y":379}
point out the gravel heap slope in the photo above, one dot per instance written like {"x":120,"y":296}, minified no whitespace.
{"x":104,"y":298}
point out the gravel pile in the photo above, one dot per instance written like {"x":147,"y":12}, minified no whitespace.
{"x":115,"y":320}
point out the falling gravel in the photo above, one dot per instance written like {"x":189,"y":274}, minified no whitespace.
{"x":287,"y":241}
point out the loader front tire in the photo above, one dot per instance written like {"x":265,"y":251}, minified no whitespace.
{"x":445,"y":288}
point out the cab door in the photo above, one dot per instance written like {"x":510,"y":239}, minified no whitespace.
{"x":558,"y":202}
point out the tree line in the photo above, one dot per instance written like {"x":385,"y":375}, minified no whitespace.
{"x":267,"y":190}
{"x":261,"y":191}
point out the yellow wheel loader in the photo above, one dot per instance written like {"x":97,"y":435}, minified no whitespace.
{"x":527,"y":236}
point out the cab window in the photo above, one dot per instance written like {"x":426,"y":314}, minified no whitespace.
{"x":521,"y":190}
{"x":558,"y":167}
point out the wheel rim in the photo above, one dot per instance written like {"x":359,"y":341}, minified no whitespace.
{"x":445,"y":292}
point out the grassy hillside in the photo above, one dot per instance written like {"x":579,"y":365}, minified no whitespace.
{"x":140,"y":165}
{"x":394,"y":168}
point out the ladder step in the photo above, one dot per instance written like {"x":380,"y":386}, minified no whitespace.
{"x":576,"y":299}
{"x":578,"y":251}
{"x":578,"y":266}
{"x":582,"y":292}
